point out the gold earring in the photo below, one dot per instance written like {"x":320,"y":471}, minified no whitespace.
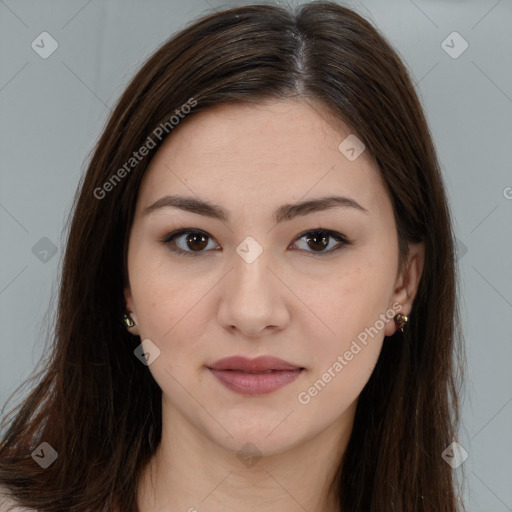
{"x":400,"y":321}
{"x":127,"y":320}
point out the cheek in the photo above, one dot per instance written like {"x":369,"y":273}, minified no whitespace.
{"x":170,"y":306}
{"x":167,"y":307}
{"x":160,"y":295}
{"x":348,"y":321}
{"x":333,"y":392}
{"x":353,"y":300}
{"x":343,"y":360}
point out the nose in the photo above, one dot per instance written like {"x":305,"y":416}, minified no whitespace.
{"x":253,"y":298}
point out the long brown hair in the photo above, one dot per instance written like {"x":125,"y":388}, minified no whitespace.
{"x":100,"y":409}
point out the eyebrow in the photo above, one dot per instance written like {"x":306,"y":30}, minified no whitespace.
{"x":284,"y":212}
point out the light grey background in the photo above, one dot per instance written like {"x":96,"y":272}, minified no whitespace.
{"x":53,"y":110}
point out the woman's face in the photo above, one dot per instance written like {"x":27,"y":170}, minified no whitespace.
{"x":248,"y":284}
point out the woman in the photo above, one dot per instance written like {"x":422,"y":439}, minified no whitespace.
{"x":258,"y":297}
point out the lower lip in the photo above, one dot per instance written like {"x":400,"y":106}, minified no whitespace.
{"x":255,"y":383}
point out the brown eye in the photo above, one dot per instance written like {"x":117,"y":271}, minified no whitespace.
{"x":188,"y":242}
{"x":196,"y":241}
{"x":319,"y":239}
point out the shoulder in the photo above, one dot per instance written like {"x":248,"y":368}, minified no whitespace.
{"x":7,"y":504}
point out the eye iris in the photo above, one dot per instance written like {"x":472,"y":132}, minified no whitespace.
{"x":319,"y":239}
{"x":197,"y":238}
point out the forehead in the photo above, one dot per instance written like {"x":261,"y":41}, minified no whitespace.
{"x":269,"y":153}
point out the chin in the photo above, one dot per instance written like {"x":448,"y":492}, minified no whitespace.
{"x":257,"y":438}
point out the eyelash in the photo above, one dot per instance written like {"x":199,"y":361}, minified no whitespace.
{"x":343,"y":241}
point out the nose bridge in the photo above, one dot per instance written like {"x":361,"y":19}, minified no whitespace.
{"x":251,"y":299}
{"x":251,"y":274}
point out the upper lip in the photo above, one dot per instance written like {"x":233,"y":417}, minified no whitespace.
{"x":261,"y":363}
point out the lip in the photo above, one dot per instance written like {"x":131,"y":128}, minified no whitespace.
{"x":258,"y":383}
{"x":259,"y":364}
{"x":259,"y":376}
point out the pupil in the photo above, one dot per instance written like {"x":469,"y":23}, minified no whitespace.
{"x":193,"y":239}
{"x":320,"y":239}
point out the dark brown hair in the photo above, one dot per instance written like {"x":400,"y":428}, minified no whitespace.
{"x":100,"y":409}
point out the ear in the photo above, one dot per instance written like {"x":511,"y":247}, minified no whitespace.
{"x":130,"y":308}
{"x":407,"y":283}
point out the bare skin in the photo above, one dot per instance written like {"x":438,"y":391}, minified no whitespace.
{"x":290,"y":302}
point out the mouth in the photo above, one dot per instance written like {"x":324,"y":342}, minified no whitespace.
{"x":258,"y":372}
{"x":259,"y":376}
